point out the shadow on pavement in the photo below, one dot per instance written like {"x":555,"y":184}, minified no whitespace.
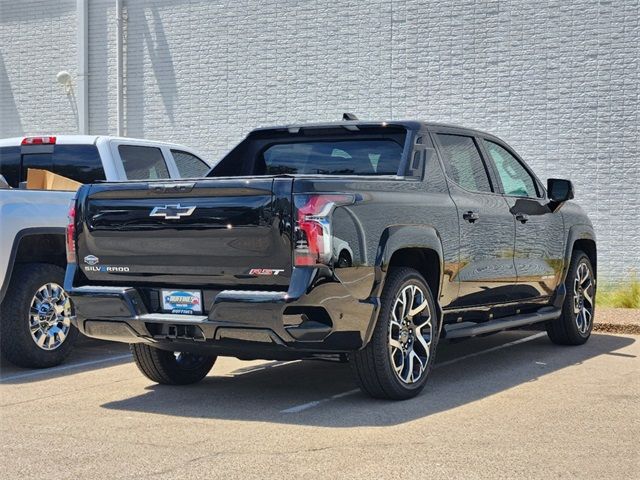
{"x":262,"y":395}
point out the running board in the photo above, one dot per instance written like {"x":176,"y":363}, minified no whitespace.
{"x":467,"y":329}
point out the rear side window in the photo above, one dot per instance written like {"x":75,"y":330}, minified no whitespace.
{"x":516,"y":180}
{"x":10,"y":165}
{"x":348,"y":157}
{"x":189,"y":166}
{"x":143,"y":163}
{"x":463,"y":162}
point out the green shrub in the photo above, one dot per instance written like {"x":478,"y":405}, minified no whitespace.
{"x":626,"y":295}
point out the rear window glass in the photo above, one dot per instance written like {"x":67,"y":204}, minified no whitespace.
{"x":143,"y":163}
{"x":10,"y":165}
{"x":42,"y":161}
{"x":81,"y":163}
{"x":348,"y":157}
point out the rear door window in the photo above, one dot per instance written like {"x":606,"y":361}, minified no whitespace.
{"x":189,"y":166}
{"x":143,"y":163}
{"x":463,"y":163}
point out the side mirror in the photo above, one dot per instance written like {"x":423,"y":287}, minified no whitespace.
{"x":559,"y":191}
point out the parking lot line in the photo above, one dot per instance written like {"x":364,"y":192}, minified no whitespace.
{"x":315,"y":403}
{"x":257,"y":368}
{"x":63,"y":367}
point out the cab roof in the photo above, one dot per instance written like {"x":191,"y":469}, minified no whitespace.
{"x":353,"y":125}
{"x":80,"y":140}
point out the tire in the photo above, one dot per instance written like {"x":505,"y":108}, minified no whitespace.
{"x":52,"y":327}
{"x":167,"y":368}
{"x":386,"y":368}
{"x":575,"y":324}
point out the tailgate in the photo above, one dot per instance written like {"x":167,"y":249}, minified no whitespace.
{"x":215,"y":232}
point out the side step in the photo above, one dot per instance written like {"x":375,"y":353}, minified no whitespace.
{"x":468,"y":329}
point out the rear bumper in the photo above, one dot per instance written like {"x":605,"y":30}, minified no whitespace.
{"x":304,"y":321}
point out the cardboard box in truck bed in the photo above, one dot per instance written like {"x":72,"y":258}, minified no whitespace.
{"x":45,"y":180}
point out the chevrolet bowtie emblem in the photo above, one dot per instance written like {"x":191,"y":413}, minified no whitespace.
{"x":172,"y":212}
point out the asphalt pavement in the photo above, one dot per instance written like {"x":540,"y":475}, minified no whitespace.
{"x":512,"y":405}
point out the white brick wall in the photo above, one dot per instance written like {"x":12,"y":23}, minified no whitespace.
{"x":557,"y":79}
{"x":37,"y":40}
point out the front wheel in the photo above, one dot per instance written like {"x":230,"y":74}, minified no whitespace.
{"x":576,"y":321}
{"x":397,"y":361}
{"x":171,"y":368}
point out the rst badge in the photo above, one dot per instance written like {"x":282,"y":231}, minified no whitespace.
{"x":265,"y":271}
{"x":172,"y":212}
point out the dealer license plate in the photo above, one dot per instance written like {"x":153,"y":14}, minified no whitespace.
{"x":187,"y":302}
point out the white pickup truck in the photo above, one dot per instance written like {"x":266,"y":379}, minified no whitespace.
{"x":35,"y":312}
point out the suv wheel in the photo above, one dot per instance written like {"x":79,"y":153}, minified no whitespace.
{"x":397,"y":361}
{"x":576,"y":322}
{"x":36,"y":314}
{"x":171,"y":368}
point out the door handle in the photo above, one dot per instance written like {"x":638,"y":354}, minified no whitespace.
{"x":522,"y":217}
{"x":470,"y":216}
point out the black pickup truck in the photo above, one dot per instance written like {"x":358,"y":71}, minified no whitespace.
{"x":369,"y":241}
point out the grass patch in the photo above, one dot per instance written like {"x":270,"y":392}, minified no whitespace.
{"x":626,"y":295}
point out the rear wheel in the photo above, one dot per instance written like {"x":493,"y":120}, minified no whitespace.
{"x":35,"y":317}
{"x":576,"y":322}
{"x":171,"y":368}
{"x":397,"y":361}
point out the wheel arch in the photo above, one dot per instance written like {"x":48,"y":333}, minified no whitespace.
{"x":415,"y":246}
{"x":43,"y":245}
{"x":423,"y":259}
{"x":589,"y":247}
{"x":581,"y":237}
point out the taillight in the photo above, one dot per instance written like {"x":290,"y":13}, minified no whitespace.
{"x":313,"y":236}
{"x":71,"y":234}
{"x":39,"y":141}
